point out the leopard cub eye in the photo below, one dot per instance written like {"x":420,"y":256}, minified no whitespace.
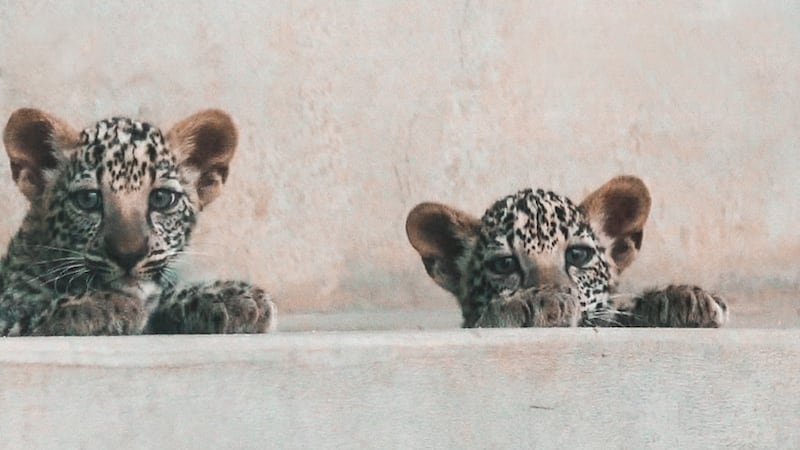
{"x":503,"y":265}
{"x":87,"y":199}
{"x":579,"y":255}
{"x":163,"y":199}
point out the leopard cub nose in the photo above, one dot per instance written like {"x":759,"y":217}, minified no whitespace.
{"x":547,"y":275}
{"x":126,"y":254}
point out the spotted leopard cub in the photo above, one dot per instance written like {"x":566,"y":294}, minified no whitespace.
{"x":537,"y":259}
{"x":111,"y":209}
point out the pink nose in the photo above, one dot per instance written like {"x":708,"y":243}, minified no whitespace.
{"x":127,"y":255}
{"x":547,"y":275}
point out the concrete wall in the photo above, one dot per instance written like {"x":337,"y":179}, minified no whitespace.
{"x":351,"y":112}
{"x":544,"y":388}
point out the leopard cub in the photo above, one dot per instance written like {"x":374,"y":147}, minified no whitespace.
{"x":535,"y":258}
{"x":111,"y":210}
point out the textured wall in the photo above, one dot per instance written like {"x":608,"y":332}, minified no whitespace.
{"x":352,"y":112}
{"x":476,"y":389}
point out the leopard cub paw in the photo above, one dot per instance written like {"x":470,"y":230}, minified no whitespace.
{"x":683,"y":306}
{"x":532,"y":308}
{"x":215,"y":308}
{"x":97,"y":314}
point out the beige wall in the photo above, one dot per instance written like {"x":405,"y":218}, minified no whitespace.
{"x":352,"y":112}
{"x":455,"y":389}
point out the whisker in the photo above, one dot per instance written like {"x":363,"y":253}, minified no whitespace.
{"x":60,"y":249}
{"x":170,"y":276}
{"x":58,"y":260}
{"x":64,"y":272}
{"x":56,"y":270}
{"x":99,"y":268}
{"x":72,"y":274}
{"x":75,"y":276}
{"x":69,"y":275}
{"x":89,"y":280}
{"x":604,"y":317}
{"x":192,"y":253}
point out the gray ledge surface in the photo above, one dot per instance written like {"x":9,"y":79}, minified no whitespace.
{"x":529,"y":388}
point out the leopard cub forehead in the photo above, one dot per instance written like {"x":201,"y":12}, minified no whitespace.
{"x":125,"y":154}
{"x":539,"y":220}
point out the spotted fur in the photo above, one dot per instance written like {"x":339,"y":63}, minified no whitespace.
{"x":112,"y":210}
{"x":537,"y":259}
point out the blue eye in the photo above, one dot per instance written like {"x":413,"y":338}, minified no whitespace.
{"x":579,"y":255}
{"x":504,"y":265}
{"x":87,"y":199}
{"x":162,"y":199}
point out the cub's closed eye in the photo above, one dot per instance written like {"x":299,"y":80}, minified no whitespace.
{"x":162,"y":199}
{"x":87,"y":199}
{"x":579,"y":255}
{"x":503,"y":265}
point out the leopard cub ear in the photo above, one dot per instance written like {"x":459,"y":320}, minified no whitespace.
{"x":206,"y":142}
{"x":35,"y":142}
{"x":441,"y":235}
{"x":617,"y":212}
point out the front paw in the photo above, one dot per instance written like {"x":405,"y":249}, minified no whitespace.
{"x":681,"y":306}
{"x":220,"y":307}
{"x":98,"y":314}
{"x":532,"y":308}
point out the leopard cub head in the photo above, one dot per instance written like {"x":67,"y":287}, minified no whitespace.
{"x":113,"y":205}
{"x":531,"y":241}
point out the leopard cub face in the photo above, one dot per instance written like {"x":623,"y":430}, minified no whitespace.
{"x":530,"y":242}
{"x":114,"y":205}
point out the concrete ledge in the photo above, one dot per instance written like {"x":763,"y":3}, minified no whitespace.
{"x":535,"y":388}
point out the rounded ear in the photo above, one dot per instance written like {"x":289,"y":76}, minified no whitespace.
{"x":441,"y":235}
{"x":206,"y":142}
{"x":617,"y":212}
{"x":34,"y":141}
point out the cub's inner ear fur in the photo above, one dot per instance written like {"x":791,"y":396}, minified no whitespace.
{"x":206,"y":142}
{"x":618,"y":211}
{"x":34,"y":141}
{"x":440,"y":234}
